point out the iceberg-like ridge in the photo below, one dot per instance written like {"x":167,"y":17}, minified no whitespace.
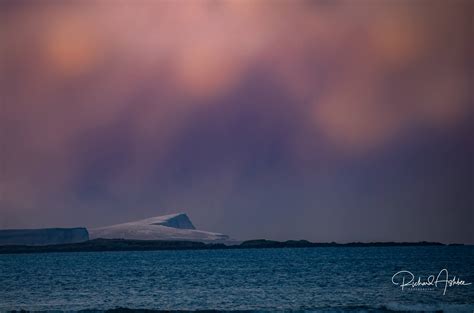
{"x":167,"y":227}
{"x":43,"y":236}
{"x":178,"y":220}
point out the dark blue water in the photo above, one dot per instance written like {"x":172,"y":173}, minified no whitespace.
{"x":312,"y":279}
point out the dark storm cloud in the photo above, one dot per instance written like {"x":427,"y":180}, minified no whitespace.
{"x":326,"y":121}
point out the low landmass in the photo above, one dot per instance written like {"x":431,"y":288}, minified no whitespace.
{"x":97,"y":245}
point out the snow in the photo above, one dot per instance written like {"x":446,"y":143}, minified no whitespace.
{"x":168,"y":227}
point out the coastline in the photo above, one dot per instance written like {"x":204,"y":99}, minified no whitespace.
{"x":102,"y":245}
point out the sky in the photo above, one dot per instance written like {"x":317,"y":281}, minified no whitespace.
{"x":319,"y":120}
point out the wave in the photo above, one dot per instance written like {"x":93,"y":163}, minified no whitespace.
{"x":390,"y":307}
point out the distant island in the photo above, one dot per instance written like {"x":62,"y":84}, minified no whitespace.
{"x":166,"y":232}
{"x":97,"y":245}
{"x":171,"y":227}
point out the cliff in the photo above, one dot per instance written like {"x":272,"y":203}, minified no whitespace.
{"x":44,"y":236}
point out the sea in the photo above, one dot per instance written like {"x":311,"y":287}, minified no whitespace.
{"x":322,"y":279}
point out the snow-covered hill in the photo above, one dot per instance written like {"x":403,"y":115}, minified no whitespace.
{"x":168,"y":227}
